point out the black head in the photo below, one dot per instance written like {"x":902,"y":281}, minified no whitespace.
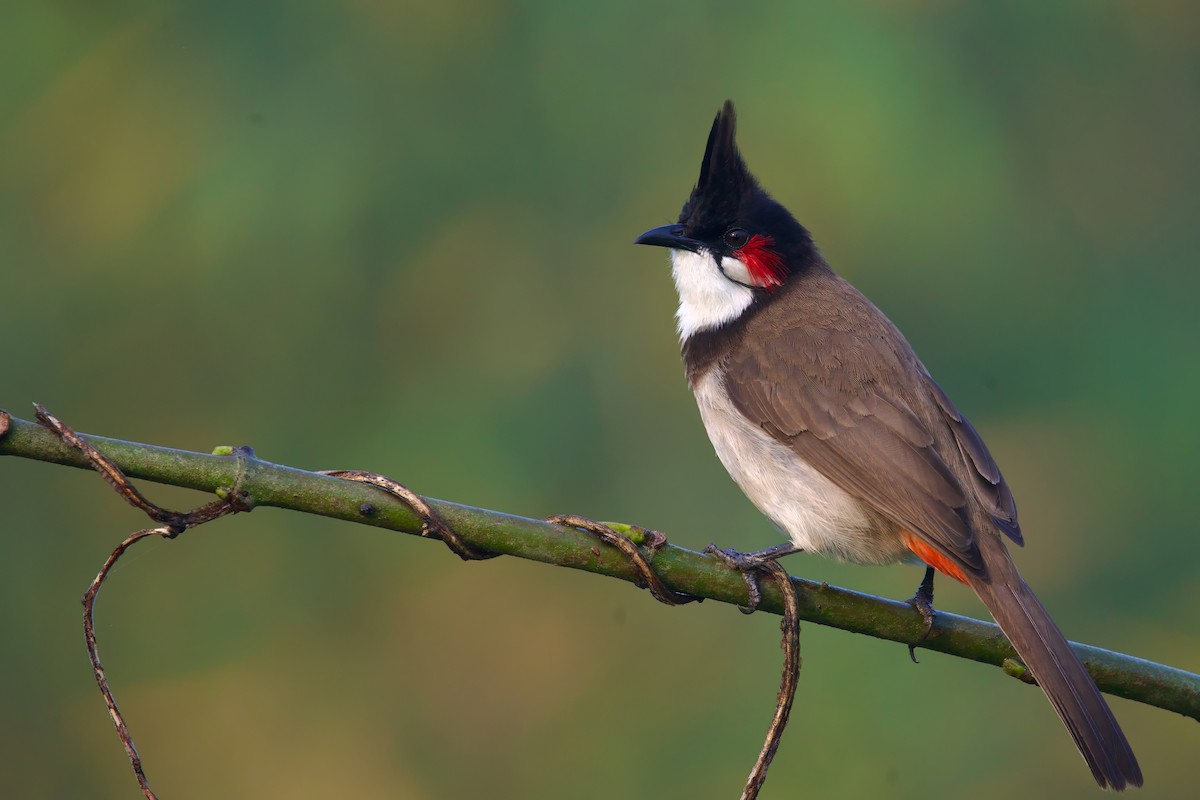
{"x":729,"y":215}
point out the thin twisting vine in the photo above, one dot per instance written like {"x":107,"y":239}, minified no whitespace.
{"x":234,"y":500}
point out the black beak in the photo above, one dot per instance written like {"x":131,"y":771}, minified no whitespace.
{"x":669,"y":236}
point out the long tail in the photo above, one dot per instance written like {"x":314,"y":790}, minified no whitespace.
{"x":1058,"y":671}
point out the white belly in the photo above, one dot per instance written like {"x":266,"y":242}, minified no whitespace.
{"x":816,"y":515}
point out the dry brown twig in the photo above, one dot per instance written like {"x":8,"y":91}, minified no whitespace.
{"x":175,"y":523}
{"x":654,"y":540}
{"x":89,"y":634}
{"x":235,"y":500}
{"x":790,"y":625}
{"x":432,"y":523}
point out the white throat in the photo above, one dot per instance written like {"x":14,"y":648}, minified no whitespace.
{"x":707,"y":298}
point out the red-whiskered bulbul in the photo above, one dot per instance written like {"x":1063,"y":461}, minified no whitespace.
{"x":823,"y":414}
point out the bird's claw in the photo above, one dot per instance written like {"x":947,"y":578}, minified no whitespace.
{"x":749,"y":565}
{"x":922,"y":601}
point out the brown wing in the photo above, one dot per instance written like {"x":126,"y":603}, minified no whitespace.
{"x":988,"y":485}
{"x":854,"y":427}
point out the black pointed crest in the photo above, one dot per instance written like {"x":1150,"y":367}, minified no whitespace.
{"x":728,"y":196}
{"x":722,"y":161}
{"x":724,"y":179}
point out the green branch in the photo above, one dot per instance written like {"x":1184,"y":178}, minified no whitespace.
{"x":682,"y":570}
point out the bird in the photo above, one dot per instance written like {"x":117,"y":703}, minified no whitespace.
{"x":825,"y":417}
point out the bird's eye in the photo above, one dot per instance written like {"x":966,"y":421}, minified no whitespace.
{"x":736,"y":237}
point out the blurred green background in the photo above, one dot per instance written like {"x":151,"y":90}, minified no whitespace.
{"x":397,"y":237}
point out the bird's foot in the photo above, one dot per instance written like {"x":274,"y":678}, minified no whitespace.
{"x":749,"y":565}
{"x":923,"y":601}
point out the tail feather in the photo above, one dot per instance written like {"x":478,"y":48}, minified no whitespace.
{"x":1067,"y":684}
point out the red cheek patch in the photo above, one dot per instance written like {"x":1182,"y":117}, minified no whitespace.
{"x":764,"y":264}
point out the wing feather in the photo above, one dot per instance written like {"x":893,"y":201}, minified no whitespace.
{"x":861,"y":434}
{"x":990,"y":488}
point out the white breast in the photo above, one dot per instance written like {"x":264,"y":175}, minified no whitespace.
{"x":810,"y":509}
